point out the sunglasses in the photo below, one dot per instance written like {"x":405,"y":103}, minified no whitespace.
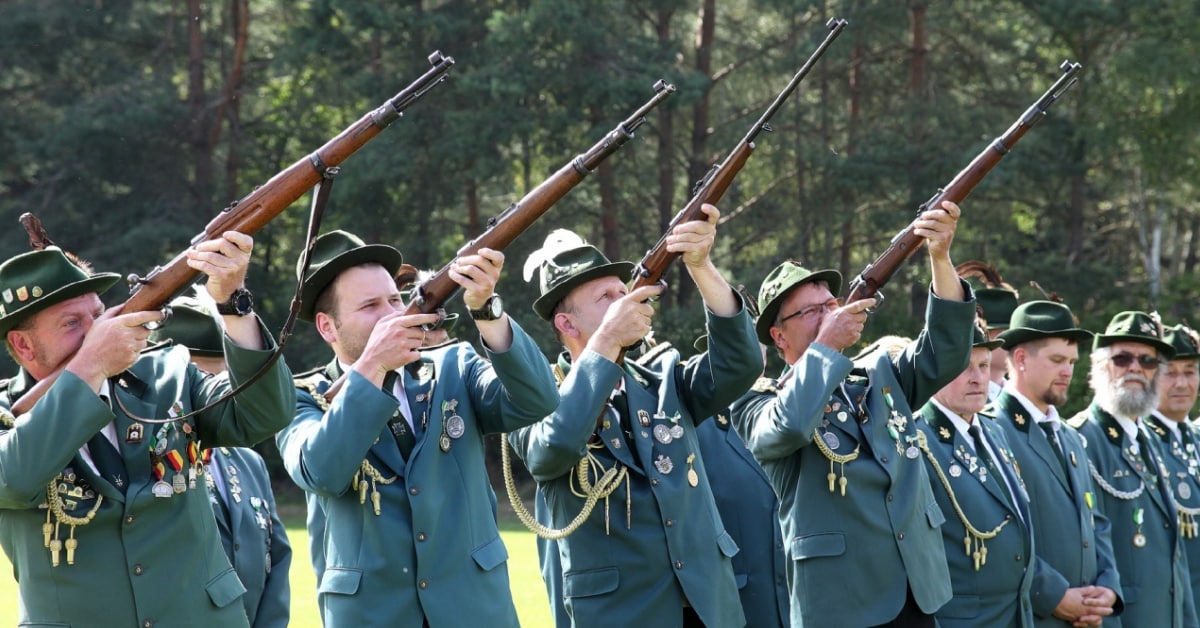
{"x":1124,"y":360}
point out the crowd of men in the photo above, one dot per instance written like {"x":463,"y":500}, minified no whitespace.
{"x":924,"y":482}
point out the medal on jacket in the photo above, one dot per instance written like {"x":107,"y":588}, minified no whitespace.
{"x":1139,"y":539}
{"x":453,"y":426}
{"x":692,"y":476}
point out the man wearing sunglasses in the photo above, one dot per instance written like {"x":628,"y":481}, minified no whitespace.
{"x":1075,"y":581}
{"x":1126,"y":465}
{"x":864,"y":543}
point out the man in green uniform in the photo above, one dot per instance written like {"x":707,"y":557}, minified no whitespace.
{"x":989,"y":542}
{"x":1075,"y":578}
{"x":863,"y":542}
{"x":396,"y":458}
{"x":1127,"y":468}
{"x":101,"y":510}
{"x":1179,"y":440}
{"x":654,"y":551}
{"x":239,"y":486}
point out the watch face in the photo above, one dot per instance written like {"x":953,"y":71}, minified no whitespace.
{"x":495,"y":307}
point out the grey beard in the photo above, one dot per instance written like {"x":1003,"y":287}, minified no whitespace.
{"x":1122,"y":402}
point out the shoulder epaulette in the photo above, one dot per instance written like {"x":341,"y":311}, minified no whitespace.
{"x":315,"y":369}
{"x":765,"y":385}
{"x":989,"y":412}
{"x":1078,"y":420}
{"x":166,"y":344}
{"x":652,"y":354}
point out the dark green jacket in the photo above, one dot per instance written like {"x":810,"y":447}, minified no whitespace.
{"x":852,"y":559}
{"x":142,"y":558}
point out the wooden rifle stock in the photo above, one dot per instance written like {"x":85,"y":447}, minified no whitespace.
{"x":429,"y":296}
{"x":256,"y":209}
{"x":871,"y":280}
{"x":709,"y":190}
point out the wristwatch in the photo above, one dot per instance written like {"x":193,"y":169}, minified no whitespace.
{"x":240,"y":303}
{"x":492,"y":309}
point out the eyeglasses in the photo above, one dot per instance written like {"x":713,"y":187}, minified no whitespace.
{"x":809,"y":310}
{"x":1145,"y":361}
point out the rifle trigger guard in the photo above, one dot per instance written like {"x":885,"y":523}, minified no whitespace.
{"x":441,"y":312}
{"x":167,"y":312}
{"x":878,"y":302}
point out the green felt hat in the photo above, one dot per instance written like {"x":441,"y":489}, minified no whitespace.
{"x":193,"y":325}
{"x":1185,"y":341}
{"x":1036,"y":320}
{"x":562,"y":271}
{"x":1134,"y":326}
{"x":334,"y":252}
{"x":778,"y":284}
{"x":979,"y":338}
{"x":34,"y":281}
{"x":997,"y":305}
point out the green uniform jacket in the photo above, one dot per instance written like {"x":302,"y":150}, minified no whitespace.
{"x":1155,"y":584}
{"x":1073,"y":543}
{"x":749,"y":508}
{"x":433,"y":550}
{"x":254,"y":538}
{"x":996,"y":593}
{"x":852,"y":558}
{"x":142,"y":560}
{"x":673,"y":547}
{"x":1181,"y":455}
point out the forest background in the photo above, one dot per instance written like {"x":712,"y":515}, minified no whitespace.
{"x":127,"y":125}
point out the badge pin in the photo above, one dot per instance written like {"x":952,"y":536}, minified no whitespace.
{"x":955,"y":471}
{"x":1074,"y":462}
{"x":911,"y":453}
{"x":663,"y":464}
{"x":831,"y":440}
{"x":662,"y":434}
{"x":456,"y":426}
{"x":1185,"y":491}
{"x":842,"y":416}
{"x":420,"y":397}
{"x":1139,"y":540}
{"x":616,"y":443}
{"x":133,"y":434}
{"x":444,"y":443}
{"x":162,"y":489}
{"x":677,"y":431}
{"x":660,"y":415}
{"x":644,"y":417}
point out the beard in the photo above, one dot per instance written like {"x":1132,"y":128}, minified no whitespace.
{"x":1050,"y":397}
{"x":1116,"y":399}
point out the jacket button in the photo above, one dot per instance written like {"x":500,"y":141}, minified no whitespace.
{"x":653,"y":481}
{"x":424,"y":584}
{"x":900,"y":536}
{"x":1018,"y":558}
{"x":670,"y":522}
{"x":890,"y":497}
{"x":679,"y":564}
{"x":414,"y":491}
{"x":129,"y":519}
{"x":883,"y":460}
{"x":149,"y":623}
{"x":420,"y":536}
{"x":138,"y":570}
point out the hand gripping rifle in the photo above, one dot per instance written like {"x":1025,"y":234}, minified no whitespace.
{"x":712,"y":187}
{"x":256,"y":209}
{"x":429,"y":296}
{"x":871,"y":280}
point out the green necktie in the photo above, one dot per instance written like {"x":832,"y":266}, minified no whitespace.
{"x":398,"y":425}
{"x":108,"y":461}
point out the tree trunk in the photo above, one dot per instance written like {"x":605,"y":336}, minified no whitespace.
{"x":197,"y":110}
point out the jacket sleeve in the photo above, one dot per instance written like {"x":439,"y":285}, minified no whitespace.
{"x":713,"y":380}
{"x":941,"y":351}
{"x":257,"y":412}
{"x":777,"y":425}
{"x":552,"y":447}
{"x":513,"y":388}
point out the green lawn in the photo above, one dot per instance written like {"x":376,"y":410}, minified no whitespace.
{"x":528,"y":592}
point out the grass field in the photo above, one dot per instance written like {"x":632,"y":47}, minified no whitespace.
{"x":528,"y":592}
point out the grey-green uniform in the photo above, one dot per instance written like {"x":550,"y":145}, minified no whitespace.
{"x":1127,"y":469}
{"x":1179,"y":443}
{"x":838,"y":441}
{"x":133,"y":542}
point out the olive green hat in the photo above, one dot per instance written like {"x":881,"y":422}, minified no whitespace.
{"x":561,"y":270}
{"x":1184,"y":340}
{"x":779,"y":283}
{"x":1134,"y":326}
{"x":1036,"y":320}
{"x":193,"y":325}
{"x":333,"y":253}
{"x":979,"y":338}
{"x":997,"y":305}
{"x":34,"y":281}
